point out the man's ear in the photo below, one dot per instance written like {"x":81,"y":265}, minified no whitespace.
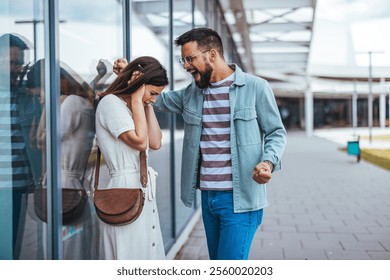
{"x":213,"y":55}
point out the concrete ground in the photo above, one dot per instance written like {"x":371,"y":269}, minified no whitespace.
{"x":323,"y":205}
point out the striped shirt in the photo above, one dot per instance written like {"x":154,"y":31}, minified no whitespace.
{"x":216,"y":166}
{"x":14,"y":168}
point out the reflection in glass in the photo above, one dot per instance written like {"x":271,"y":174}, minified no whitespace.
{"x":20,"y":159}
{"x":90,"y":40}
{"x":77,"y":134}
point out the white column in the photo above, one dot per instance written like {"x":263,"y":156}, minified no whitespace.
{"x":382,"y":110}
{"x":309,"y":112}
{"x":370,"y":98}
{"x":354,"y":106}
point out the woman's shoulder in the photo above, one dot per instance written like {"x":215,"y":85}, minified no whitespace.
{"x":108,"y":101}
{"x":110,"y":98}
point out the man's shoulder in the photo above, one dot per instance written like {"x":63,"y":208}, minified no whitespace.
{"x":248,"y":78}
{"x":255,"y":80}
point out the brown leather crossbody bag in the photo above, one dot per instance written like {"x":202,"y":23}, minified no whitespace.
{"x":120,"y":206}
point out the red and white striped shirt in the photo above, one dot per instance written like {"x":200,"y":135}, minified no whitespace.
{"x":216,"y":166}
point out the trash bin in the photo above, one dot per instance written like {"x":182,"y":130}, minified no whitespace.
{"x":353,"y":148}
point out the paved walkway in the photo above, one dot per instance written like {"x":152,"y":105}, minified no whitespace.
{"x":323,"y":205}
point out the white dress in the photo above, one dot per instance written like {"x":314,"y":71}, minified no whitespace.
{"x":141,"y":239}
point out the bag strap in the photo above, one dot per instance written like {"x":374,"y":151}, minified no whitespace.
{"x":143,"y":169}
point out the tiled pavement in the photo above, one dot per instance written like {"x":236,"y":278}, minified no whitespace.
{"x":323,"y":205}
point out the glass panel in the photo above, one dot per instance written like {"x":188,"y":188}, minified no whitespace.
{"x":199,"y":21}
{"x":149,"y":36}
{"x":22,"y":136}
{"x":182,"y":22}
{"x":90,"y":40}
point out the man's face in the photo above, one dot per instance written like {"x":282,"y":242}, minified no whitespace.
{"x":196,"y":62}
{"x":16,"y":56}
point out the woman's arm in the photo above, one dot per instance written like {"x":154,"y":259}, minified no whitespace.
{"x":137,"y":138}
{"x":154,"y":130}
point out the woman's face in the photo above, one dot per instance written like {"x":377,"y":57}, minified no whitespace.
{"x":151,"y":94}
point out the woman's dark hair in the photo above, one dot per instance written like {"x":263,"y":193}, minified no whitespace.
{"x":206,"y":38}
{"x":151,"y":73}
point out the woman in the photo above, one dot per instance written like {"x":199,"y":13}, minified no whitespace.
{"x":125,"y":125}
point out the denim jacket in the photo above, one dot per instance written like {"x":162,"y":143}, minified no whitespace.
{"x":257,"y":134}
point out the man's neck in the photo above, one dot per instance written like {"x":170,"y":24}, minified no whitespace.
{"x":221,"y":72}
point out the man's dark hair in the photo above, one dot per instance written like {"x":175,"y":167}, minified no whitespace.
{"x":206,"y":38}
{"x":11,"y":40}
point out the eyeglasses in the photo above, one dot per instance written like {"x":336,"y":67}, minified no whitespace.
{"x":189,"y":59}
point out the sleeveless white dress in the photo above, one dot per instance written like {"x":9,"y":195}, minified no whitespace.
{"x":142,"y":239}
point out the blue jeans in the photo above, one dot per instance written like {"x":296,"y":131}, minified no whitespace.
{"x":229,"y":235}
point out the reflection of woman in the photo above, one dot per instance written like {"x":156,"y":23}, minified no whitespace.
{"x":125,"y":125}
{"x":77,"y":134}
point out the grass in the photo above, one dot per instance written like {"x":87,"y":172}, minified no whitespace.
{"x":379,"y":157}
{"x":377,"y":137}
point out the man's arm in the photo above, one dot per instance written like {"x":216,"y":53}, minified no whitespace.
{"x":271,"y":124}
{"x":171,"y":101}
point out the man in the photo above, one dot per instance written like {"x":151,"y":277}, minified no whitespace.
{"x":234,"y":139}
{"x":20,"y":159}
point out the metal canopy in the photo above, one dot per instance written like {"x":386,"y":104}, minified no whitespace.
{"x":275,"y":41}
{"x":273,"y":37}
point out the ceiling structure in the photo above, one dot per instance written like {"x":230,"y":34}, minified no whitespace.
{"x":273,"y":37}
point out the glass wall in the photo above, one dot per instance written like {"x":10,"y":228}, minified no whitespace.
{"x":150,"y":36}
{"x":38,"y":127}
{"x":89,"y":41}
{"x":22,"y":136}
{"x":182,"y":22}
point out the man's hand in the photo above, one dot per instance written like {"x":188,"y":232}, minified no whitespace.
{"x":119,"y":65}
{"x":262,"y":173}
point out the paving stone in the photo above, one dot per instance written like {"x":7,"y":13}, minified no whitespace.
{"x":322,"y":244}
{"x":265,"y":254}
{"x":356,"y":245}
{"x":382,"y":237}
{"x":348,"y":255}
{"x":279,"y":228}
{"x":280,"y":244}
{"x":379,"y":229}
{"x":379,"y":255}
{"x":337,"y":236}
{"x":296,"y":221}
{"x":261,"y":235}
{"x":299,"y":236}
{"x":350,"y":229}
{"x":315,"y":228}
{"x":383,"y":221}
{"x":386,"y":245}
{"x":305,"y":254}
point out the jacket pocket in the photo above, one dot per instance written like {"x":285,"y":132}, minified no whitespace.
{"x":246,"y":127}
{"x":192,"y":128}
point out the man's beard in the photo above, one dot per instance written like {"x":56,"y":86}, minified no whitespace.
{"x":205,"y":77}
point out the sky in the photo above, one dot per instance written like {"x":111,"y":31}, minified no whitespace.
{"x":346,"y":30}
